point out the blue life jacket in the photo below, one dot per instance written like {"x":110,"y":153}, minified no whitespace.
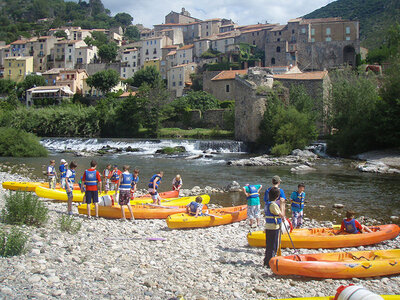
{"x":299,"y":202}
{"x":270,"y":217}
{"x":350,"y":226}
{"x":126,"y":181}
{"x":71,"y":179}
{"x":134,"y":181}
{"x":253,"y":192}
{"x":53,"y":170}
{"x":152,"y":180}
{"x":115,"y":176}
{"x":193,"y":206}
{"x":63,"y":171}
{"x":90,"y":178}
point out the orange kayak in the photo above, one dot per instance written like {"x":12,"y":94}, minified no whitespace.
{"x":139,"y":211}
{"x":214,"y":217}
{"x":314,"y":238}
{"x":29,"y":186}
{"x":164,"y":195}
{"x":339,"y":264}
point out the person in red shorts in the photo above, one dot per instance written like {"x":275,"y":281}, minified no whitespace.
{"x":92,"y":181}
{"x":351,"y":225}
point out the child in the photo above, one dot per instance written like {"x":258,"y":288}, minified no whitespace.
{"x":69,"y":184}
{"x":195,"y":208}
{"x":351,"y":225}
{"x":115,"y":174}
{"x":134,"y":183}
{"x":124,"y":187}
{"x":155,"y":181}
{"x":273,"y":219}
{"x":92,"y":180}
{"x":106,"y":176}
{"x":252,"y":193}
{"x":177,"y":183}
{"x":51,"y":174}
{"x":297,"y":198}
{"x":63,"y":172}
{"x":276,"y":181}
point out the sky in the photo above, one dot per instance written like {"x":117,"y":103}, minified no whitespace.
{"x":243,"y":12}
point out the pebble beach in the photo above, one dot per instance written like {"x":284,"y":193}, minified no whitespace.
{"x":112,"y":259}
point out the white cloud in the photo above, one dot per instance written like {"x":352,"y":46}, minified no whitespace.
{"x":150,"y":12}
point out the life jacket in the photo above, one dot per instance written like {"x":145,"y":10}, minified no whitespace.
{"x":134,"y":181}
{"x":71,"y":179}
{"x":193,"y":206}
{"x":152,"y":180}
{"x":299,"y":202}
{"x":63,"y":171}
{"x":350,"y":226}
{"x":270,"y":218}
{"x":90,"y":178}
{"x":178,"y":183}
{"x":253,"y":192}
{"x":53,"y":170}
{"x":115,"y":176}
{"x":108,"y":173}
{"x":126,"y":181}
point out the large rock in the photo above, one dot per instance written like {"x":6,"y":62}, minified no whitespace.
{"x":374,"y":166}
{"x":233,"y":187}
{"x":304,"y":153}
{"x":302,"y":168}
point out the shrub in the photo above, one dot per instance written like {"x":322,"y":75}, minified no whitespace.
{"x":69,"y":224}
{"x":18,"y":143}
{"x":281,"y":149}
{"x":24,"y":208}
{"x":12,"y":243}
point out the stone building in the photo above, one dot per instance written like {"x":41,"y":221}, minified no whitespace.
{"x":222,"y":85}
{"x":313,"y":44}
{"x":182,"y":18}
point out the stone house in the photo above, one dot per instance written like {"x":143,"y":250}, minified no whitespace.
{"x":184,"y":55}
{"x":40,"y":49}
{"x":73,"y":79}
{"x":51,"y":76}
{"x":129,"y":63}
{"x":179,"y":78}
{"x":151,"y":48}
{"x":16,"y":68}
{"x":85,"y":55}
{"x":183,"y":17}
{"x":223,"y":85}
{"x":64,"y":53}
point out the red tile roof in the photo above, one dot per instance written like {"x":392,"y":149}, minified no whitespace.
{"x":228,"y":75}
{"x":317,"y":75}
{"x":186,"y":47}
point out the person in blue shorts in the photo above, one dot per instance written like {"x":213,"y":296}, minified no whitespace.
{"x":276,"y":181}
{"x":252,"y":193}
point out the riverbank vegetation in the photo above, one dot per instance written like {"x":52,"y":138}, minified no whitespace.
{"x":19,"y":143}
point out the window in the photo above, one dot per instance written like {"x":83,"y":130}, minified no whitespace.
{"x":254,"y":42}
{"x":134,"y":64}
{"x":58,"y":50}
{"x":147,"y":51}
{"x":126,"y":58}
{"x":180,"y":83}
{"x":347,"y":30}
{"x":147,"y":43}
{"x":20,"y":72}
{"x":328,"y":31}
{"x":312,"y":31}
{"x":155,"y":51}
{"x":151,"y":42}
{"x":292,"y":31}
{"x":226,"y":42}
{"x":252,"y":34}
{"x":303,"y":30}
{"x":328,"y":39}
{"x":207,"y":33}
{"x":280,"y":32}
{"x":312,"y":40}
{"x":278,"y":39}
{"x":40,"y":60}
{"x":174,"y":84}
{"x":18,"y":65}
{"x":258,"y":33}
{"x":227,"y":88}
{"x":272,"y":61}
{"x":41,"y":46}
{"x":278,"y":49}
{"x":347,"y":38}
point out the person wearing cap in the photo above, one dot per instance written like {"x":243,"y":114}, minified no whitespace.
{"x":63,"y":172}
{"x":252,"y":193}
{"x":276,"y":181}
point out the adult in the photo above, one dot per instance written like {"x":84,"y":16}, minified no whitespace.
{"x":92,"y":181}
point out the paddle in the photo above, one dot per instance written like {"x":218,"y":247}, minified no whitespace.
{"x":211,"y":215}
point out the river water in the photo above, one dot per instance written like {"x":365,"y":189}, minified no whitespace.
{"x":335,"y":181}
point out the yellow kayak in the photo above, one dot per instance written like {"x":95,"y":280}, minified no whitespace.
{"x":386,"y":297}
{"x":171,"y":201}
{"x":28,"y":186}
{"x":61,"y":195}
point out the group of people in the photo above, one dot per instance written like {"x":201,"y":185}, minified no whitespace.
{"x":123,"y":183}
{"x":275,"y":214}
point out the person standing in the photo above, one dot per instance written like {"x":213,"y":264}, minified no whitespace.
{"x":51,"y":174}
{"x":273,"y":220}
{"x":155,"y":181}
{"x":135,"y":182}
{"x":106,"y":177}
{"x":276,"y":181}
{"x":297,"y":206}
{"x":115,"y":174}
{"x":252,"y":193}
{"x":92,"y":181}
{"x":63,"y":172}
{"x":69,"y":184}
{"x":124,"y":188}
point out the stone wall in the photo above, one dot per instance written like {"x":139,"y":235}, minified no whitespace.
{"x":209,"y":119}
{"x":214,"y":118}
{"x":94,"y":68}
{"x":207,"y":83}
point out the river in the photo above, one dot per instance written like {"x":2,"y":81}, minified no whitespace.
{"x":335,"y":181}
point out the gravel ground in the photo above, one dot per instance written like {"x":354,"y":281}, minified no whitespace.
{"x":110,"y":259}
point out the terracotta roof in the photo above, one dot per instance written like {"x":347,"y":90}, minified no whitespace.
{"x":183,"y":65}
{"x":210,"y":20}
{"x":186,"y":47}
{"x":322,"y":20}
{"x":317,"y":75}
{"x":177,"y":24}
{"x":228,"y":75}
{"x":278,"y":28}
{"x":67,"y":42}
{"x":19,"y":42}
{"x":127,"y":94}
{"x":170,"y":47}
{"x":130,"y":50}
{"x":171,"y":53}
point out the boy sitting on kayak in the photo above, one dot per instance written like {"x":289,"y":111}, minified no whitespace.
{"x":351,"y":225}
{"x":195,"y":208}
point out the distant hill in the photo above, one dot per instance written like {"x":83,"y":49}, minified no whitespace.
{"x":375,"y":16}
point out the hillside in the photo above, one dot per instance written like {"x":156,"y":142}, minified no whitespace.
{"x":375,"y":16}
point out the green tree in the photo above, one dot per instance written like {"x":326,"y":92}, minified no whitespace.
{"x":61,"y":34}
{"x":123,"y":19}
{"x":130,"y":112}
{"x":103,"y":80}
{"x":30,"y":81}
{"x":201,"y":100}
{"x":389,"y":48}
{"x":100,"y":38}
{"x":132,"y":33}
{"x":6,"y":86}
{"x":148,"y":75}
{"x":108,"y":52}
